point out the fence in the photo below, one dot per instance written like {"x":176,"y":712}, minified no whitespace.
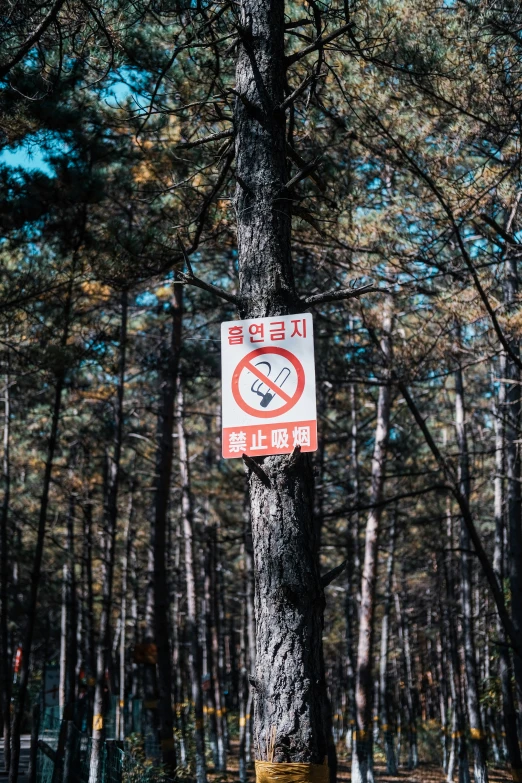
{"x":118,"y":765}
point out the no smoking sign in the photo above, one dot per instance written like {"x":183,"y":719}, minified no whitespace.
{"x":268,"y":386}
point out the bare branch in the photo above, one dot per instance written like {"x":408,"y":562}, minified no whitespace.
{"x":319,"y":43}
{"x":509,"y":238}
{"x":191,"y":279}
{"x":305,"y":172}
{"x":257,"y":469}
{"x":300,"y":162}
{"x":296,"y":93}
{"x":213,"y":137}
{"x":338,"y":294}
{"x":328,"y":578}
{"x":462,"y":501}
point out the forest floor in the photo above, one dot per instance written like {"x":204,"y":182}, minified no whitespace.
{"x":425,"y":773}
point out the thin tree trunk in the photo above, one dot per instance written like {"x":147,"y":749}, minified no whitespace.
{"x":513,"y":466}
{"x":385,"y":711}
{"x":88,"y":615}
{"x":110,"y":520}
{"x":472,"y":692}
{"x":161,"y":589}
{"x":210,"y":647}
{"x":251,"y":631}
{"x":192,"y":605}
{"x":5,"y":668}
{"x":291,"y":707}
{"x":127,"y":546}
{"x":458,"y":746}
{"x":362,"y":771}
{"x":509,"y":712}
{"x":218,"y":649}
{"x":352,"y":599}
{"x":39,"y":548}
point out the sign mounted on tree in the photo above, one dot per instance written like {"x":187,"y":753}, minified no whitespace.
{"x":268,"y":386}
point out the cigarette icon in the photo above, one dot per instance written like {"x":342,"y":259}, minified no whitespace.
{"x":268,"y":396}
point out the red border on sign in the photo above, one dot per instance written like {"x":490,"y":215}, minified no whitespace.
{"x":246,"y":363}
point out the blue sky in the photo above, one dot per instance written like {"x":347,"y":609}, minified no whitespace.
{"x":31,"y":154}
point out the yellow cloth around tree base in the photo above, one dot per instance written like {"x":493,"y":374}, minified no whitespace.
{"x":288,"y":772}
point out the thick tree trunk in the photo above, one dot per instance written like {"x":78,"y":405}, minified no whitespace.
{"x":192,"y":603}
{"x":291,"y":707}
{"x":161,"y":588}
{"x":110,"y":522}
{"x":362,"y":757}
{"x":478,"y":740}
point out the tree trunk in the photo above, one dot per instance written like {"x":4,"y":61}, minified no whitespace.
{"x":362,"y":757}
{"x":352,"y":599}
{"x":192,"y":604}
{"x":509,"y":712}
{"x":5,"y":667}
{"x":458,"y":747}
{"x":513,"y":465}
{"x":161,"y":588}
{"x":291,"y":708}
{"x":39,"y":549}
{"x":210,"y":648}
{"x":110,"y":520}
{"x":127,"y":546}
{"x":478,"y":740}
{"x":88,"y":600}
{"x":384,"y":690}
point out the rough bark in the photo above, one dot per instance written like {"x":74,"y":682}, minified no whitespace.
{"x":289,"y":681}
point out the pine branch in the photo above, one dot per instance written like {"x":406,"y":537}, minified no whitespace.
{"x":337,"y":295}
{"x":32,"y":39}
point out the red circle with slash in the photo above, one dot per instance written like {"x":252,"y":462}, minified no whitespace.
{"x":246,"y":364}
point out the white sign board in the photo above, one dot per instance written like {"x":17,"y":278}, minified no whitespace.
{"x":268,"y":386}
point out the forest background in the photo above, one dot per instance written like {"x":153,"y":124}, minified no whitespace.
{"x":126,"y":552}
